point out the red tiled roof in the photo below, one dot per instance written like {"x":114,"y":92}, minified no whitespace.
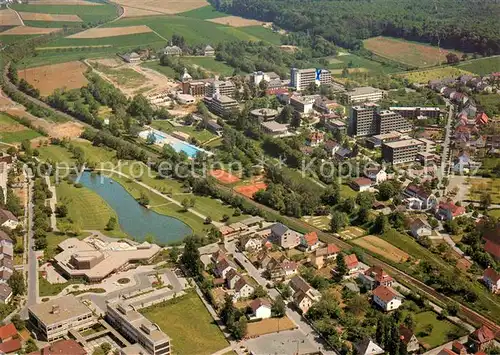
{"x":332,"y":249}
{"x":385,"y":293}
{"x":351,"y":261}
{"x":454,"y":209}
{"x":492,"y":248}
{"x":492,"y":274}
{"x":258,"y":302}
{"x":483,"y":334}
{"x":316,"y":136}
{"x":311,"y":238}
{"x":62,"y":347}
{"x":362,"y":181}
{"x":457,"y":345}
{"x":10,"y":346}
{"x":482,"y":118}
{"x":7,"y":331}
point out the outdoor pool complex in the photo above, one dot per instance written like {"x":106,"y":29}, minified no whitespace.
{"x":178,"y":145}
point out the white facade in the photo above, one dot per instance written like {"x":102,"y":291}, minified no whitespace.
{"x":390,"y":305}
{"x":263,"y":312}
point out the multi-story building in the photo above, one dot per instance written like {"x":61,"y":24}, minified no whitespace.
{"x":377,"y":140}
{"x":55,"y":318}
{"x":388,"y":121}
{"x":138,"y":329}
{"x":303,"y":104}
{"x":302,"y":78}
{"x":363,"y":122}
{"x":400,"y":152}
{"x":415,"y":112}
{"x":363,"y":94}
{"x":225,"y":87}
{"x":220,"y":104}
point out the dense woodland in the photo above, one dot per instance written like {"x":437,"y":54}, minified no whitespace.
{"x":460,"y":24}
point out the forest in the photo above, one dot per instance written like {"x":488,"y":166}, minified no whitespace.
{"x":458,"y":24}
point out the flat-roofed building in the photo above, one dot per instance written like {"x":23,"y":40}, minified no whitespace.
{"x":377,"y":140}
{"x":274,"y":128}
{"x":363,"y":94}
{"x":363,"y":120}
{"x":400,"y":152}
{"x":55,"y":318}
{"x":388,"y":121}
{"x":303,"y":104}
{"x":220,"y":104}
{"x":302,"y":78}
{"x":94,"y":259}
{"x":334,"y":125}
{"x":415,"y":112}
{"x":225,"y":87}
{"x":147,"y":336}
{"x":264,"y":114}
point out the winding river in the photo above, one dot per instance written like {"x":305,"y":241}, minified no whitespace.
{"x":135,"y":220}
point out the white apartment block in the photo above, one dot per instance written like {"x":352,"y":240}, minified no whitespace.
{"x":404,"y":151}
{"x":302,"y":78}
{"x":55,"y":318}
{"x":363,"y":94}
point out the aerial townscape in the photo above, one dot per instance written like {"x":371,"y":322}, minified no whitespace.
{"x":264,"y":177}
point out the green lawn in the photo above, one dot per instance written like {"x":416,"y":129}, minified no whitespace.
{"x":12,"y":131}
{"x":90,"y":14}
{"x":55,"y":153}
{"x":200,"y":136}
{"x":346,"y":191}
{"x":204,"y":13}
{"x":92,"y":154}
{"x":440,"y":331}
{"x":56,"y":56}
{"x":481,"y":66}
{"x":87,"y":207}
{"x":188,"y":323}
{"x":167,"y":71}
{"x":211,"y":65}
{"x":45,"y":288}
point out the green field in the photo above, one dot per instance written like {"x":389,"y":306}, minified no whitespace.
{"x":87,"y":207}
{"x":56,"y":56}
{"x":482,"y":66}
{"x":175,"y":318}
{"x":193,"y":30}
{"x":353,"y":61}
{"x":211,"y":65}
{"x":200,"y":136}
{"x":204,"y":13}
{"x":134,"y":40}
{"x":262,"y":33}
{"x":54,"y":24}
{"x":440,"y":331}
{"x":92,"y":154}
{"x":13,"y":132}
{"x":88,"y":14}
{"x":423,"y":76}
{"x":8,"y":39}
{"x":167,"y":71}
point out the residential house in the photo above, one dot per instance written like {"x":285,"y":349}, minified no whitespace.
{"x":375,"y":277}
{"x":361,"y":184}
{"x":5,"y":293}
{"x":408,"y":338}
{"x":343,"y":154}
{"x":386,"y":298}
{"x":172,"y":51}
{"x":449,"y":210}
{"x":491,"y":278}
{"x":419,"y":198}
{"x":289,"y":267}
{"x":11,"y":346}
{"x":209,"y":51}
{"x":303,"y":301}
{"x":481,"y":338}
{"x":242,"y":289}
{"x":222,"y":268}
{"x":309,"y":242}
{"x":420,"y":228}
{"x":261,"y":309}
{"x":284,"y":236}
{"x":368,"y":347}
{"x":298,"y":286}
{"x":64,"y":347}
{"x":331,"y":147}
{"x":465,"y":164}
{"x":352,"y":263}
{"x":493,"y":249}
{"x":217,"y":256}
{"x":315,"y":138}
{"x":322,"y":255}
{"x":232,"y":277}
{"x":459,"y":348}
{"x":214,"y":127}
{"x":482,"y":119}
{"x":7,"y":332}
{"x":250,"y":244}
{"x":376,"y":174}
{"x":276,"y":272}
{"x":7,"y":219}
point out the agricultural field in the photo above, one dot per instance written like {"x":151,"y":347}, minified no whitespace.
{"x":164,"y":6}
{"x":200,"y":337}
{"x":9,"y":17}
{"x":353,"y":61}
{"x":13,"y":132}
{"x":100,"y":13}
{"x":211,"y":65}
{"x":321,"y":222}
{"x":54,"y":55}
{"x":111,"y":32}
{"x":204,"y":13}
{"x":423,"y":76}
{"x":481,"y":66}
{"x":50,"y":77}
{"x":480,"y":186}
{"x":8,"y":39}
{"x":409,"y":53}
{"x":28,"y":30}
{"x":117,"y":41}
{"x":381,"y":247}
{"x":236,"y":21}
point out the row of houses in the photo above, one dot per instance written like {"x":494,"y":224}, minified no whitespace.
{"x":8,"y":221}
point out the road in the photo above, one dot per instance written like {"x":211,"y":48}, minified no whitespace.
{"x":32,"y":260}
{"x":304,"y":327}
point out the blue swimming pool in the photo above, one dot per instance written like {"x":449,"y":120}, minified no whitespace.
{"x":179,"y":146}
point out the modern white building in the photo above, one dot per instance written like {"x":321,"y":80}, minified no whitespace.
{"x":302,"y":78}
{"x":363,"y":94}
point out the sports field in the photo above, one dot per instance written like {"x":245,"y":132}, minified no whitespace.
{"x":50,"y":77}
{"x":251,"y":189}
{"x":423,"y":76}
{"x":189,"y":337}
{"x":381,"y":247}
{"x":224,"y":176}
{"x":409,"y":53}
{"x":13,"y":132}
